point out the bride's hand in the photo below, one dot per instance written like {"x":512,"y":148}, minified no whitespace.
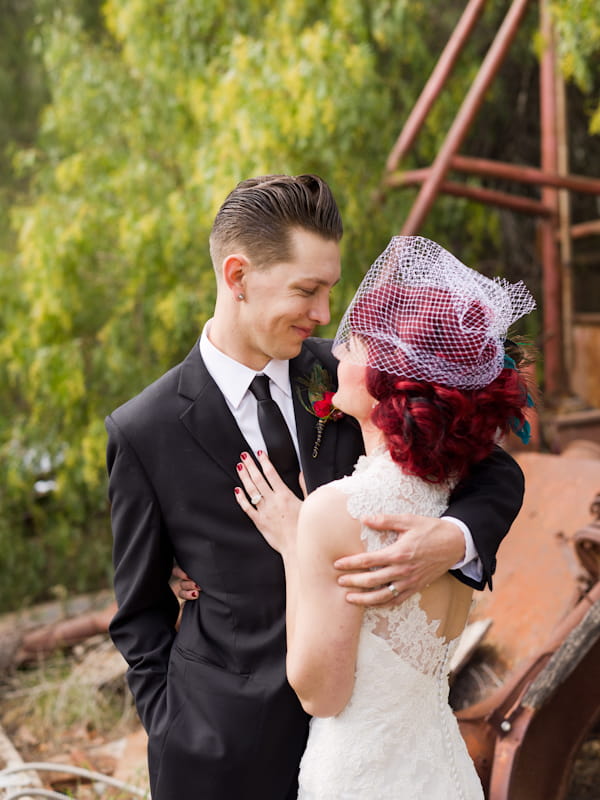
{"x":269,"y":503}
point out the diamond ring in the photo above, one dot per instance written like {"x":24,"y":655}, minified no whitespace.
{"x":255,"y":499}
{"x":393,"y":589}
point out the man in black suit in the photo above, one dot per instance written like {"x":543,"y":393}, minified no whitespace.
{"x":221,"y":718}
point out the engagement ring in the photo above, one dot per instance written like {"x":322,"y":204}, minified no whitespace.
{"x":255,"y":499}
{"x":393,"y":589}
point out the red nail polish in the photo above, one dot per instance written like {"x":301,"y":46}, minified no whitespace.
{"x":259,"y":452}
{"x":239,"y":468}
{"x":194,"y":595}
{"x":244,"y":456}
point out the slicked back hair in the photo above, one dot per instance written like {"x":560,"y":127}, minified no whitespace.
{"x":258,"y":216}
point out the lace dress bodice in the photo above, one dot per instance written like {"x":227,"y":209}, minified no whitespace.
{"x":397,"y":737}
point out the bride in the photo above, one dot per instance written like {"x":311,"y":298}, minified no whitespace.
{"x":424,"y":371}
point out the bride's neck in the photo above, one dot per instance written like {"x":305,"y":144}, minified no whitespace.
{"x":372,"y":437}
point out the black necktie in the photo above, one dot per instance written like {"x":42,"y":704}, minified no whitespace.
{"x":280,"y":447}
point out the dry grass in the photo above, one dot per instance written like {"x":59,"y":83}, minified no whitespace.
{"x":71,"y":704}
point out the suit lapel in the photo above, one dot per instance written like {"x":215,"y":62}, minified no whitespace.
{"x":208,"y":418}
{"x":320,"y":468}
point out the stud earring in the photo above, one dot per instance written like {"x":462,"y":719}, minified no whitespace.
{"x":240,"y":296}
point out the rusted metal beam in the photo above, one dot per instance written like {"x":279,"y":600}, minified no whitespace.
{"x":492,"y":197}
{"x":524,"y":174}
{"x":564,"y":240}
{"x":554,"y":371}
{"x":536,"y":749}
{"x":466,"y":113}
{"x":584,"y":229}
{"x":435,"y":83}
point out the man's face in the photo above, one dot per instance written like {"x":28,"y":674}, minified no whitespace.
{"x":287,"y":301}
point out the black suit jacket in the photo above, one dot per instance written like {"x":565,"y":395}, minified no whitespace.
{"x":221,"y":717}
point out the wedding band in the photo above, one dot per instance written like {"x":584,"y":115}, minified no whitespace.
{"x":255,"y":499}
{"x":393,"y":589}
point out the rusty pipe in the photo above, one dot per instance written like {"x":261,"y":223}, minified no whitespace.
{"x":554,"y":372}
{"x":463,"y":119}
{"x":524,"y":174}
{"x":480,"y":194}
{"x":435,"y":82}
{"x":584,"y":229}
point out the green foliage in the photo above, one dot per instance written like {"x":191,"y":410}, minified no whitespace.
{"x":155,"y":111}
{"x":578,"y":28}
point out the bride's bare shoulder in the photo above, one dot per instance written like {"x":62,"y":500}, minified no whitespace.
{"x":326,"y":508}
{"x":325,"y":498}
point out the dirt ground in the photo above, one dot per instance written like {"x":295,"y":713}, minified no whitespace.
{"x":75,"y":709}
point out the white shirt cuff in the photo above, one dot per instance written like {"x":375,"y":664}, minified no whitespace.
{"x":470,"y":565}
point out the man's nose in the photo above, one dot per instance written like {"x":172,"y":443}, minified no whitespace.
{"x":319,"y":311}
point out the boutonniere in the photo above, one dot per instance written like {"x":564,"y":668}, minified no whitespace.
{"x":319,"y":390}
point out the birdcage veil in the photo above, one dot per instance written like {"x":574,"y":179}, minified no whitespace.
{"x":420,"y":313}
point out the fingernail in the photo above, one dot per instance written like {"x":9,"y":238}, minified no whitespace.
{"x":194,"y":595}
{"x":239,"y":468}
{"x":244,"y":456}
{"x":259,"y":452}
{"x":237,"y":490}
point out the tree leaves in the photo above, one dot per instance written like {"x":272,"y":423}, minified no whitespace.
{"x":155,"y":111}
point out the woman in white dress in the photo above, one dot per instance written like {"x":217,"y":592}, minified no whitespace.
{"x":423,"y":369}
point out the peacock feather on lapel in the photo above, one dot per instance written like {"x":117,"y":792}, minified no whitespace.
{"x":319,"y":390}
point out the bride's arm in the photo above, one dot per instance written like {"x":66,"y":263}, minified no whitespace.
{"x":323,"y":628}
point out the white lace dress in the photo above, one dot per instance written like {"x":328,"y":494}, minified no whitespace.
{"x":397,"y":738}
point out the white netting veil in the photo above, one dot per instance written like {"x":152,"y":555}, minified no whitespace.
{"x":420,"y":313}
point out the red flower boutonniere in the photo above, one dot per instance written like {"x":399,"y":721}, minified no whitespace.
{"x":319,"y":391}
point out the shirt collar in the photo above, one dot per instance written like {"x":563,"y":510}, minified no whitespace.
{"x":233,"y":378}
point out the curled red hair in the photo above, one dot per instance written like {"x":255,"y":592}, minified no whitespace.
{"x":436,"y":431}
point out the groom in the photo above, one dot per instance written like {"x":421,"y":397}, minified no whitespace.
{"x":221,"y":718}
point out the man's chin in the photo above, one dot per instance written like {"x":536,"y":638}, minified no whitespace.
{"x":292,"y":351}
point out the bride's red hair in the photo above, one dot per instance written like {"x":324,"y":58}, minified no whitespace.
{"x":436,"y":431}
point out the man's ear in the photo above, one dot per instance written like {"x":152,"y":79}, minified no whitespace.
{"x":235,"y":269}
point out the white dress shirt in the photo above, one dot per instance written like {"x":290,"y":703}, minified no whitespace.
{"x":234,"y":379}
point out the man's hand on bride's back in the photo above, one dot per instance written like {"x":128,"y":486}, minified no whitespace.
{"x":426,"y":548}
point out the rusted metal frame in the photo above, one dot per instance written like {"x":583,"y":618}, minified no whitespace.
{"x":505,"y":754}
{"x":463,"y":119}
{"x":479,"y":193}
{"x":491,"y":726}
{"x":435,"y":82}
{"x":534,"y":756}
{"x":584,"y":229}
{"x":564,"y":660}
{"x":513,"y":721}
{"x":564,"y":239}
{"x":524,"y":174}
{"x":589,"y":602}
{"x":554,"y":372}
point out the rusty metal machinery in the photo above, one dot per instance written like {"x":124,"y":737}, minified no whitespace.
{"x":531,"y":694}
